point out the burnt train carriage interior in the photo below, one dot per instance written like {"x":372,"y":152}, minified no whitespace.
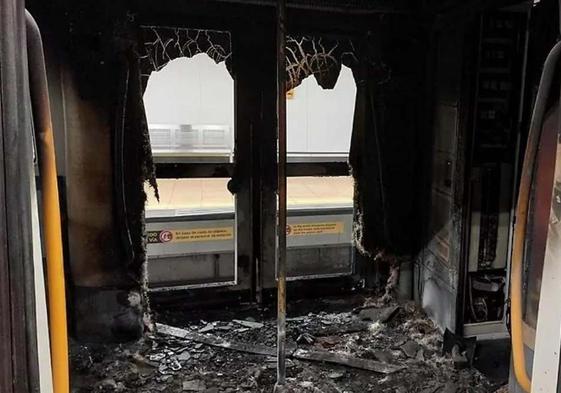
{"x":406,"y":127}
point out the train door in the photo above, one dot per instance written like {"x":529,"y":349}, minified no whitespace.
{"x":320,"y":188}
{"x":193,"y":226}
{"x":541,"y":317}
{"x":536,"y":327}
{"x":320,"y":204}
{"x":213,"y":139}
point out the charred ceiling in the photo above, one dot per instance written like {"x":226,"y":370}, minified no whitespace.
{"x":340,"y":5}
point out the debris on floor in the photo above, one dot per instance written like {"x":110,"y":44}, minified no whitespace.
{"x":392,"y":349}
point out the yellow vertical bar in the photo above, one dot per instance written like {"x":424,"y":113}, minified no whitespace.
{"x":55,"y":266}
{"x":52,"y":230}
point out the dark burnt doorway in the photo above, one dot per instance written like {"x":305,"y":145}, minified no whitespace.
{"x":211,"y":116}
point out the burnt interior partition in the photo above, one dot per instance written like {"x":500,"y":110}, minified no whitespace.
{"x":438,"y":265}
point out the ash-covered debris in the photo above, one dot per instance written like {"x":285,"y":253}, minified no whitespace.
{"x":367,"y":349}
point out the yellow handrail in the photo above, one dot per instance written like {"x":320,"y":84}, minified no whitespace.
{"x":51,"y":208}
{"x":55,"y":267}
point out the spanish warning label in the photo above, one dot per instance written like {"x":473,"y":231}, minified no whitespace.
{"x":315,"y":228}
{"x":191,"y":235}
{"x":227,"y":233}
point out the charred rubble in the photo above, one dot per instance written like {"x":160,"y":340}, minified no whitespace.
{"x":335,"y":345}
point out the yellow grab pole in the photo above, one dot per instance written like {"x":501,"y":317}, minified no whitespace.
{"x":55,"y":266}
{"x":52,"y":230}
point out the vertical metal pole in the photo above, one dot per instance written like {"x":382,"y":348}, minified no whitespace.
{"x":281,"y":173}
{"x":52,"y":229}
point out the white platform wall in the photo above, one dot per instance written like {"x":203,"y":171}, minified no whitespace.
{"x":198,"y":91}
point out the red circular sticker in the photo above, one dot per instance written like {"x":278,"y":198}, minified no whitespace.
{"x":166,"y":236}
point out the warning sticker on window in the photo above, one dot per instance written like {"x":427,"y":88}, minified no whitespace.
{"x":191,"y":235}
{"x":227,"y":233}
{"x":315,"y":228}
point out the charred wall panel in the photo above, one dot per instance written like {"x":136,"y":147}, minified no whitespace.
{"x":437,"y":272}
{"x":388,"y":125}
{"x":87,"y":50}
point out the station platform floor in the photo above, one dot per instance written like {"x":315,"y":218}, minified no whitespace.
{"x":212,"y":194}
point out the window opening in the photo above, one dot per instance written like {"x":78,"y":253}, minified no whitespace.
{"x":190,"y":111}
{"x":191,"y":230}
{"x":320,"y":113}
{"x":320,"y":121}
